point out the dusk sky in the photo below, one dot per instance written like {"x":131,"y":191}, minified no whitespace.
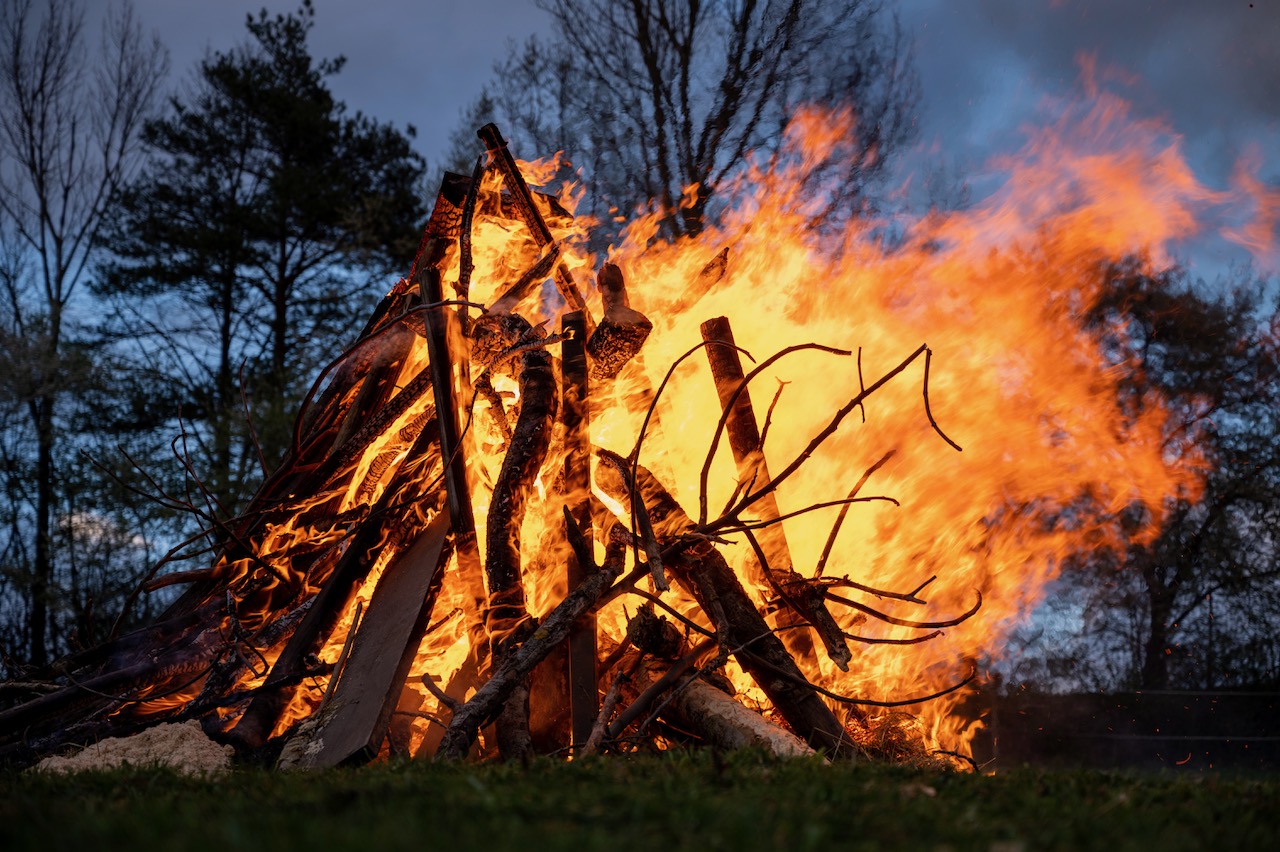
{"x":1211,"y":68}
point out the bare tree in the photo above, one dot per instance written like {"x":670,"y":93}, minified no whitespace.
{"x":70,"y":119}
{"x":662,"y":101}
{"x":1195,"y":606}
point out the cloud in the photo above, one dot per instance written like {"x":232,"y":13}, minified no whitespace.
{"x":1210,"y":69}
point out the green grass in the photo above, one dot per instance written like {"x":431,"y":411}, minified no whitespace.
{"x":670,"y":803}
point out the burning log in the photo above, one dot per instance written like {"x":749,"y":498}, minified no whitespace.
{"x":457,"y":489}
{"x":622,"y":330}
{"x":528,"y":212}
{"x":507,"y":619}
{"x":805,"y":601}
{"x":696,"y":701}
{"x":740,"y":629}
{"x":718,"y":720}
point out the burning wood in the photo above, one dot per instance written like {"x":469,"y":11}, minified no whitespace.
{"x":622,"y":330}
{"x":432,"y":419}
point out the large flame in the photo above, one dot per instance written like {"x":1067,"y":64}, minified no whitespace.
{"x":997,"y":291}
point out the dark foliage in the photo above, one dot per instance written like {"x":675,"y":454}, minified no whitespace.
{"x":267,"y":219}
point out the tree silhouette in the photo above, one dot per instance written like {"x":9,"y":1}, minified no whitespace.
{"x":255,"y":235}
{"x":660,"y":102}
{"x":70,"y":119}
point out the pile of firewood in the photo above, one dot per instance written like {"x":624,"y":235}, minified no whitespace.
{"x":377,"y":485}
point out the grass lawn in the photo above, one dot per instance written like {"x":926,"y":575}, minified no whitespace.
{"x":665,"y":803}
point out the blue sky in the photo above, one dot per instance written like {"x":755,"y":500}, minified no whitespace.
{"x":1211,"y":68}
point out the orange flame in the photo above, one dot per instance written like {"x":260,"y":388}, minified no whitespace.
{"x":997,"y":291}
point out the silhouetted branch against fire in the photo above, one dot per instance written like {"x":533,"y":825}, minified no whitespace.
{"x":902,"y":622}
{"x":853,"y":492}
{"x":728,"y":407}
{"x":731,"y":517}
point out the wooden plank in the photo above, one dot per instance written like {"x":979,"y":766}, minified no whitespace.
{"x":354,"y":722}
{"x":584,"y":695}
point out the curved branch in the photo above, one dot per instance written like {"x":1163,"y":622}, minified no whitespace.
{"x":902,"y":622}
{"x":728,"y":404}
{"x":813,"y":445}
{"x":756,"y":525}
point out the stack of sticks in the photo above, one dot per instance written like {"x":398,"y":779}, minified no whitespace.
{"x":376,"y":490}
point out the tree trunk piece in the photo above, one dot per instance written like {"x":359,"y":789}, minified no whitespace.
{"x":740,"y":628}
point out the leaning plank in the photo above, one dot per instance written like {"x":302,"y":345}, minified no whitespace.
{"x":354,"y":722}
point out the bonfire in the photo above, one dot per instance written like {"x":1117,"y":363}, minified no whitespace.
{"x":548,"y":503}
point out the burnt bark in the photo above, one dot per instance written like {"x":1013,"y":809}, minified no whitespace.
{"x":622,"y":330}
{"x":741,"y":629}
{"x":513,"y":670}
{"x":508,"y":619}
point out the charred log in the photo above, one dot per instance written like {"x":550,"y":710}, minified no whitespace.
{"x":507,"y":619}
{"x":515,"y":667}
{"x":741,"y":629}
{"x":622,"y":330}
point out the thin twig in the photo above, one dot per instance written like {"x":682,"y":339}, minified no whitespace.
{"x":642,"y":525}
{"x":248,"y":422}
{"x":768,"y":415}
{"x":910,"y":597}
{"x":445,"y":699}
{"x":737,"y":526}
{"x":342,"y":658}
{"x":872,"y":640}
{"x":928,"y":358}
{"x":844,"y":510}
{"x":902,"y":622}
{"x":867,"y":702}
{"x":683,"y":619}
{"x":728,"y":405}
{"x":862,"y":386}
